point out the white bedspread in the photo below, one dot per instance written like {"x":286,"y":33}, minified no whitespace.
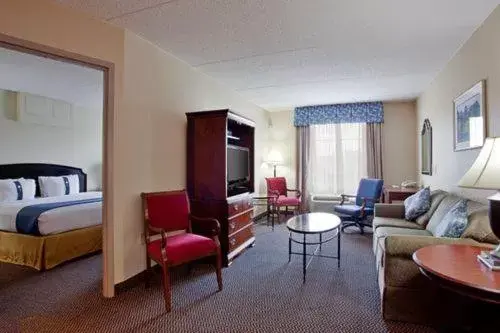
{"x":56,"y":220}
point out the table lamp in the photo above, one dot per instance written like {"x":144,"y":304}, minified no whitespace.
{"x":274,"y":158}
{"x":485,"y":174}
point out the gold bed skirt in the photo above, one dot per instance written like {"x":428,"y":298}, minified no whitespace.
{"x":45,"y":252}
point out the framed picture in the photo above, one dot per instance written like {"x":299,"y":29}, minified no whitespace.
{"x":469,"y":125}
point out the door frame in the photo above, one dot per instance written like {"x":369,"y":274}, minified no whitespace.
{"x":108,"y":69}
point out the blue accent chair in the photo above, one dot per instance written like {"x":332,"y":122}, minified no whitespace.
{"x":357,"y":214}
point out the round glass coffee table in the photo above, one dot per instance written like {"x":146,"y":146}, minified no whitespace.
{"x":313,"y":224}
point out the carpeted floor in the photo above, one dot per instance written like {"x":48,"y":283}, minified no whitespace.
{"x":262,"y":293}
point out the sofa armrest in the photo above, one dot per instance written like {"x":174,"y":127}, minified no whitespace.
{"x":390,"y":210}
{"x":405,"y":246}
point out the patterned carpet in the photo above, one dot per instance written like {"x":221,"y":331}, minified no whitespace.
{"x":262,"y":293}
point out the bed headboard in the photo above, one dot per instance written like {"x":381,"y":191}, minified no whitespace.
{"x":34,"y":170}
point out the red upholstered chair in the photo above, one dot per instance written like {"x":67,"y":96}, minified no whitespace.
{"x":167,"y":212}
{"x":277,"y":189}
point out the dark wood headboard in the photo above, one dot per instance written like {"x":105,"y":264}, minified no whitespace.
{"x":34,"y":170}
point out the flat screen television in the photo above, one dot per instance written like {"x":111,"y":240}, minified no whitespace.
{"x":238,"y":166}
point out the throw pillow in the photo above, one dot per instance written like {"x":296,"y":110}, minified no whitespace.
{"x":454,"y":222}
{"x":436,"y":197}
{"x":478,"y":227}
{"x":417,"y":204}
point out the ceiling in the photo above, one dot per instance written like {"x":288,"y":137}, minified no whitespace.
{"x":50,"y":78}
{"x":282,"y":53}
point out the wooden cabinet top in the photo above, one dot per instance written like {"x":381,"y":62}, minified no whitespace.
{"x":222,"y":113}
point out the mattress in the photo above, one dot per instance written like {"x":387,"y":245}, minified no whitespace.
{"x":56,"y":220}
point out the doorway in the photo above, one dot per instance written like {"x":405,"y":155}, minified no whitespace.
{"x":107,"y":70}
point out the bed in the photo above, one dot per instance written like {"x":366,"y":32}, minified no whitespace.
{"x":68,"y":227}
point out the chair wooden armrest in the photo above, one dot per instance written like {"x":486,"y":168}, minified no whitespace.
{"x":365,"y":201}
{"x":344,"y":196}
{"x":205,"y":226}
{"x":275,"y":194}
{"x":298,"y":193}
{"x":163,"y":240}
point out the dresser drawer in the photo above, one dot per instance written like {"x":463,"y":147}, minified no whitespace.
{"x":240,"y":237}
{"x":239,"y":206}
{"x":239,"y":221}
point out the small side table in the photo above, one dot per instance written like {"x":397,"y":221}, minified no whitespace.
{"x":265,"y":200}
{"x":398,"y":193}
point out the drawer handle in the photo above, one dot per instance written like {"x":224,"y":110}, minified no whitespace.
{"x":232,"y":241}
{"x":232,"y":225}
{"x":235,"y":207}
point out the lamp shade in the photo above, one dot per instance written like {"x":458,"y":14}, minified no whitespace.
{"x":485,"y":172}
{"x":274,"y":157}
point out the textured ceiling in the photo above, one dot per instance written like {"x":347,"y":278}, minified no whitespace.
{"x":281,"y":53}
{"x":46,"y":77}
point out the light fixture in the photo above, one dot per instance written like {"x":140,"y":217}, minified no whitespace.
{"x":274,"y":158}
{"x":485,"y":174}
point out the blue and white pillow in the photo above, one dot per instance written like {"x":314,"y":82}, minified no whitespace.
{"x":17,"y":189}
{"x":58,"y":186}
{"x":454,"y":222}
{"x":417,"y":204}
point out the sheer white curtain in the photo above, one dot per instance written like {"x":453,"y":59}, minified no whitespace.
{"x":337,"y":158}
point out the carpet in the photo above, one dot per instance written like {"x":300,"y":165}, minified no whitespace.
{"x":262,"y":293}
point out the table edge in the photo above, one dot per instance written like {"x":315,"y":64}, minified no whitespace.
{"x":449,"y":279}
{"x":339,"y":220}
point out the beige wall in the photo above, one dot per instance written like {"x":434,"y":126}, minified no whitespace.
{"x":282,"y":137}
{"x":79,"y":145}
{"x":158,"y":90}
{"x":399,"y":148}
{"x":148,"y":140}
{"x":478,"y":59}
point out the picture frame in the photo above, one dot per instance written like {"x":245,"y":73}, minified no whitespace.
{"x":469,"y":118}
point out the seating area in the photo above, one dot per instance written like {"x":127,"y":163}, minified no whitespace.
{"x":193,"y":238}
{"x":406,"y":294}
{"x":359,"y":213}
{"x":279,"y":198}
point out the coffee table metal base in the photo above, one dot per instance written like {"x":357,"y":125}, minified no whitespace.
{"x":319,"y":244}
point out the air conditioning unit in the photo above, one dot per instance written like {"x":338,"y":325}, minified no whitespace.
{"x":40,"y":110}
{"x":324,"y":203}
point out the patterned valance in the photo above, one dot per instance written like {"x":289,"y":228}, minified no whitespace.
{"x":372,"y":112}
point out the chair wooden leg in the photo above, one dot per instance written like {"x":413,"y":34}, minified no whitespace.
{"x":147,"y":274}
{"x":166,"y":289}
{"x":218,"y":269}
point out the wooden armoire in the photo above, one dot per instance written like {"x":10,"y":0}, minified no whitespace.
{"x":214,"y":139}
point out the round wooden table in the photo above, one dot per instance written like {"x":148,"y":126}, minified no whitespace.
{"x":456,"y":267}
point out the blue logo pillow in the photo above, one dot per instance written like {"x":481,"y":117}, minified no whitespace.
{"x":417,"y":204}
{"x":454,"y":222}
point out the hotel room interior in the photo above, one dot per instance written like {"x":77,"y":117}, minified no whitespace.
{"x":249,"y":166}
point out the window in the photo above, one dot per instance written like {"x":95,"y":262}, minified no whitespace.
{"x":337,"y":158}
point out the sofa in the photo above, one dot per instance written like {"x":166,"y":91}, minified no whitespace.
{"x":406,"y":294}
